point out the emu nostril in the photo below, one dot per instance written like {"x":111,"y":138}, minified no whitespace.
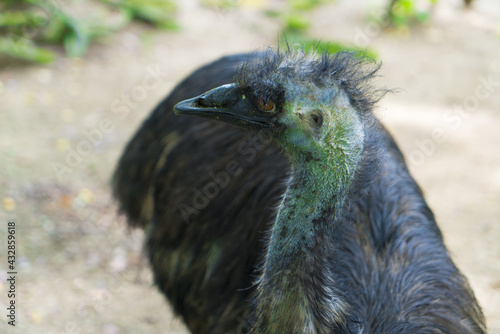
{"x":202,"y":102}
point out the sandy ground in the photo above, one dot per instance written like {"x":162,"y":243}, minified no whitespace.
{"x":80,"y":270}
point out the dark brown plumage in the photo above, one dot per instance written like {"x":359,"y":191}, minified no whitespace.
{"x":234,"y":220}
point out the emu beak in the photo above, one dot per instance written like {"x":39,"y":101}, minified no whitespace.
{"x":226,"y":103}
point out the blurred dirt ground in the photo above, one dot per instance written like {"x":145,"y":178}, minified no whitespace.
{"x":80,"y":270}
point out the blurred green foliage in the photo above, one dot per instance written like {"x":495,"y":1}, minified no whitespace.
{"x":220,"y":4}
{"x":294,"y":17}
{"x":28,"y":26}
{"x":158,"y":12}
{"x":402,"y":13}
{"x":25,"y":49}
{"x":296,"y":24}
{"x":330,"y":47}
{"x":306,"y":4}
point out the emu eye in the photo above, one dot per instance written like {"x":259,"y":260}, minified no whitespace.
{"x":266,"y":106}
{"x":317,"y":118}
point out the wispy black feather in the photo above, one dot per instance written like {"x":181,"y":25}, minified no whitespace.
{"x":353,"y":72}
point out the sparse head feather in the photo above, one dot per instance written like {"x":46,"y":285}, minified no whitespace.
{"x":351,"y":71}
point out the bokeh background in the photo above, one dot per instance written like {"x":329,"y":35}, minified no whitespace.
{"x":65,"y":66}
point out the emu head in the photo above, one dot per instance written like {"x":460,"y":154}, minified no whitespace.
{"x":314,"y":107}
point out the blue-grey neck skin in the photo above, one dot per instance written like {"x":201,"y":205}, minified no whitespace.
{"x":324,"y":162}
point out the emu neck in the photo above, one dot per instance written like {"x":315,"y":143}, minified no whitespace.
{"x":287,"y":295}
{"x":308,"y":210}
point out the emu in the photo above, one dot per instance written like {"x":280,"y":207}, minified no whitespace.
{"x":319,"y":229}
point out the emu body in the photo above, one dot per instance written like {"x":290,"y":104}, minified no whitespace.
{"x":353,"y":248}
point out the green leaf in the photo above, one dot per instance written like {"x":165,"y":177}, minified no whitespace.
{"x":296,"y":22}
{"x":330,"y":47}
{"x":159,"y":12}
{"x":25,"y":49}
{"x":77,"y":38}
{"x":14,"y":18}
{"x":220,"y":4}
{"x":306,"y":4}
{"x":76,"y":44}
{"x":54,"y":32}
{"x":272,"y":13}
